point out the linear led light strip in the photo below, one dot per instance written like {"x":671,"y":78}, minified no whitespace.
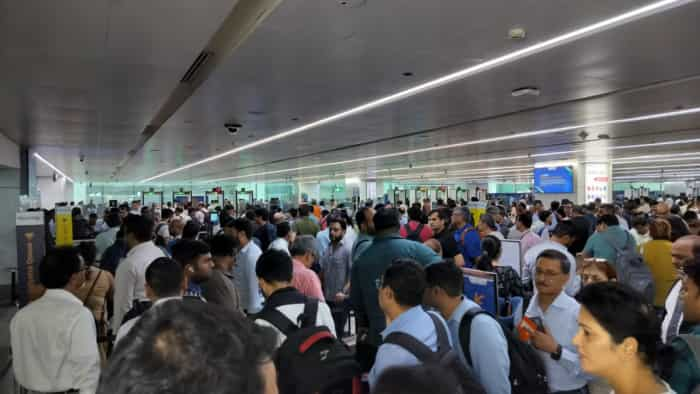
{"x":621,"y":19}
{"x":657,"y":158}
{"x":53,"y":167}
{"x":520,"y":135}
{"x":460,"y":173}
{"x":671,"y":166}
{"x":678,"y":176}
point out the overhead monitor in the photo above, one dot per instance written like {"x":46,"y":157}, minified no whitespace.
{"x":554,"y":179}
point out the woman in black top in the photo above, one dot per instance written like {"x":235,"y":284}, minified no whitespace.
{"x":509,"y":283}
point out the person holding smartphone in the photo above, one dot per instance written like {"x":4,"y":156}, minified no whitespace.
{"x":555,"y":315}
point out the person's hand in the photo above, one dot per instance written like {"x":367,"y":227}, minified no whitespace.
{"x":340,"y":297}
{"x":544,"y":341}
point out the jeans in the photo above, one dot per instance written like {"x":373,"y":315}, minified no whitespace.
{"x":340,"y":311}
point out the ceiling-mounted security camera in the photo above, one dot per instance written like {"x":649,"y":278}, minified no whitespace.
{"x":583,"y":134}
{"x":233,"y":128}
{"x":82,"y":158}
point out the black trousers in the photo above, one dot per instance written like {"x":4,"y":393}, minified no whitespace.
{"x":340,"y":311}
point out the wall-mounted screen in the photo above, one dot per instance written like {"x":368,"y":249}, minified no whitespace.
{"x":554,"y":180}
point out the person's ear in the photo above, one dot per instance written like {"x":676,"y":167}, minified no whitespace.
{"x":629,"y":348}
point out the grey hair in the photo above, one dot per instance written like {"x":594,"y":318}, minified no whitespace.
{"x":303,"y":244}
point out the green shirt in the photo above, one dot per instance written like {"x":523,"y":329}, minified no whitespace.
{"x":686,"y":373}
{"x":600,"y":245}
{"x":367,"y":271}
{"x":305,"y":226}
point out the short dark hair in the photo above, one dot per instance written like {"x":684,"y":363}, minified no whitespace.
{"x":293,"y":212}
{"x":543,"y":215}
{"x":360,"y":218}
{"x":337,"y":219}
{"x":447,"y":276}
{"x":187,"y":251}
{"x":168,"y":348}
{"x":489,"y":221}
{"x":57,"y":267}
{"x":407,"y":280}
{"x":166,"y":213}
{"x":420,"y":379}
{"x":623,"y":313}
{"x":274,"y":266}
{"x":88,"y":251}
{"x":639,"y":220}
{"x":164,"y":275}
{"x":610,"y":220}
{"x":525,"y":219}
{"x":552,"y":254}
{"x":243,"y":226}
{"x":304,"y":210}
{"x":283,"y":229}
{"x":415,"y":213}
{"x":222,"y":245}
{"x":140,"y":226}
{"x":190,"y":230}
{"x":113,"y":219}
{"x":443,"y":214}
{"x":554,"y":205}
{"x":564,"y":228}
{"x":262,"y":213}
{"x":386,"y":219}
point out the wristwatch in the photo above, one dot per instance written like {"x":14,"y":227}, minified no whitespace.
{"x":556,"y":356}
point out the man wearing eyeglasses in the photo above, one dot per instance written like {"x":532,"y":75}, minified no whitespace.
{"x":556,"y":315}
{"x":54,"y":344}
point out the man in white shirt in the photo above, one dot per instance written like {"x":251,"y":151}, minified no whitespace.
{"x":274,"y":271}
{"x":164,"y":282}
{"x":244,"y":270}
{"x":130,"y":279}
{"x":562,"y":236}
{"x":163,"y":227}
{"x":285,"y":237}
{"x":557,"y":315}
{"x":53,"y":339}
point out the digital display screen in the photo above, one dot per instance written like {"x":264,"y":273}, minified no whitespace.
{"x":214,"y":218}
{"x":554,"y":180}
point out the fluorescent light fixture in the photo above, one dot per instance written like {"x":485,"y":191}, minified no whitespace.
{"x":657,"y":158}
{"x":664,"y":143}
{"x":621,"y":19}
{"x":617,"y":168}
{"x":53,"y":167}
{"x":561,"y":163}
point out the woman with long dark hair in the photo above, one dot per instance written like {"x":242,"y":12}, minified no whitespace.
{"x":509,"y":282}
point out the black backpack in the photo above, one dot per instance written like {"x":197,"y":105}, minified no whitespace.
{"x":312,"y":360}
{"x":444,"y":358}
{"x":413,"y":235}
{"x":527,"y":372}
{"x":160,"y":241}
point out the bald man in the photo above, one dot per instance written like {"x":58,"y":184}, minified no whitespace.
{"x":682,"y":250}
{"x":679,"y":227}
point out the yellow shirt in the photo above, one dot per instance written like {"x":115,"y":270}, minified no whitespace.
{"x":657,"y":255}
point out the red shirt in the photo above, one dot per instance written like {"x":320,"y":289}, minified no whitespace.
{"x":425,"y":234}
{"x":306,"y":281}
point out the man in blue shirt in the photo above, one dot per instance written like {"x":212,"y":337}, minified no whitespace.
{"x":488,"y":347}
{"x":466,"y":236}
{"x":558,"y":314}
{"x":366,"y":273}
{"x":400,"y":295}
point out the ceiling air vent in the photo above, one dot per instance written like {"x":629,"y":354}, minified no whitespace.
{"x":192,"y":72}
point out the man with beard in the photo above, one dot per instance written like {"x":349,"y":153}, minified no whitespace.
{"x":195,"y":259}
{"x":335,"y":272}
{"x":439,"y":221}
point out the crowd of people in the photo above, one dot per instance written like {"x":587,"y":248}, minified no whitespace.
{"x":328,"y":299}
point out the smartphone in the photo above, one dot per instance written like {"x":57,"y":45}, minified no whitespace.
{"x":539,"y":323}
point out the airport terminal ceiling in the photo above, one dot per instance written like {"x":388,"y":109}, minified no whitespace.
{"x":86,"y":79}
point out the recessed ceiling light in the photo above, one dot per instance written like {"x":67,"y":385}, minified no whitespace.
{"x":620,"y":19}
{"x":517,"y":33}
